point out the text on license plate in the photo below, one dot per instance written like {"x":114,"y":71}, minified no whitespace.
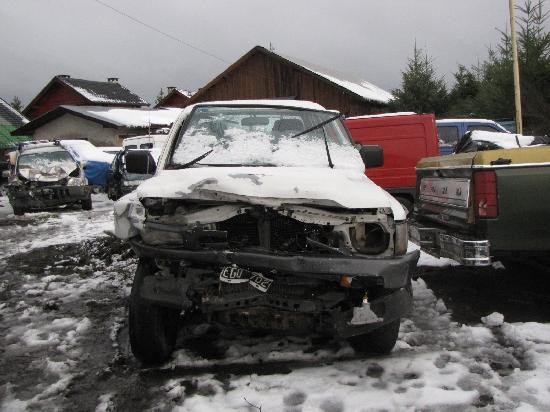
{"x":233,"y":274}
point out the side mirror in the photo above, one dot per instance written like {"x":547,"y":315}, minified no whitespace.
{"x":140,"y":162}
{"x":372,"y":155}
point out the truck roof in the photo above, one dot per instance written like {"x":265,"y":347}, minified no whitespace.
{"x":370,"y":116}
{"x":443,"y":121}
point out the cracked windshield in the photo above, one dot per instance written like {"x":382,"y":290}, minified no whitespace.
{"x":264,"y":137}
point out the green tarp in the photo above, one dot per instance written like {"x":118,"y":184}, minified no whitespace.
{"x":7,"y":140}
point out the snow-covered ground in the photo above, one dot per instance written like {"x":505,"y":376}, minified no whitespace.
{"x":64,"y":346}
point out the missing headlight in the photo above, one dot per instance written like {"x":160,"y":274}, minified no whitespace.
{"x":369,"y":238}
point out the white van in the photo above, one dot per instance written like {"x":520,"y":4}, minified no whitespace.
{"x":145,"y":141}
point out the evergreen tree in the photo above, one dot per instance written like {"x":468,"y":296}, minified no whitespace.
{"x":462,"y":97}
{"x":421,"y":90}
{"x":495,"y":81}
{"x":16,"y":103}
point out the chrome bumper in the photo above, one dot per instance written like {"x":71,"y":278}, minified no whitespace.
{"x":437,"y":242}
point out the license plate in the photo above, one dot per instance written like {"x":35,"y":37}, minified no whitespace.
{"x":260,"y":282}
{"x":445,"y":191}
{"x":233,"y":274}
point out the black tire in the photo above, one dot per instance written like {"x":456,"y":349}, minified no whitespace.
{"x":87,"y":203}
{"x":18,"y":211}
{"x":407,"y":204}
{"x":153,"y":329}
{"x":378,"y":342}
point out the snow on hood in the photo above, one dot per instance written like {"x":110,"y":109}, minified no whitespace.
{"x":503,"y":140}
{"x":271,"y":186}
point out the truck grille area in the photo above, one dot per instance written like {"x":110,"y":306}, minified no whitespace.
{"x":270,"y":230}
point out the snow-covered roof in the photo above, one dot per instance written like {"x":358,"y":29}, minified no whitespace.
{"x":186,"y":93}
{"x":11,"y":116}
{"x":109,"y":92}
{"x":128,"y":117}
{"x":369,"y":116}
{"x":354,"y":84}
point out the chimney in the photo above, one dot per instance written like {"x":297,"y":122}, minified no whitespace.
{"x":170,"y":88}
{"x":112,"y":79}
{"x":64,"y":76}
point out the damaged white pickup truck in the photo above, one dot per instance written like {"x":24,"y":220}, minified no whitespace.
{"x":260,"y":217}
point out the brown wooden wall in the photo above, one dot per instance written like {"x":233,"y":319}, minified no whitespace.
{"x":263,"y":76}
{"x":55,"y":96}
{"x":175,"y":100}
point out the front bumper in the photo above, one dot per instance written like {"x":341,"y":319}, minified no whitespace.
{"x":437,"y":242}
{"x":391,"y":273}
{"x":47,"y":196}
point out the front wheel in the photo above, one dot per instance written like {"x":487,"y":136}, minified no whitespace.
{"x":153,"y":329}
{"x":380,"y":341}
{"x":87,"y":203}
{"x":18,"y":211}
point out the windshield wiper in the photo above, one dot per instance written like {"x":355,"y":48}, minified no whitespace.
{"x":333,"y":118}
{"x":192,"y":162}
{"x":324,"y":122}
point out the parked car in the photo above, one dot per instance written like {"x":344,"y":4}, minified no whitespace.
{"x":119,"y":181}
{"x":486,"y":202}
{"x":46,"y":176}
{"x":145,"y":142}
{"x":260,"y":217}
{"x":451,"y":130}
{"x":405,"y":138}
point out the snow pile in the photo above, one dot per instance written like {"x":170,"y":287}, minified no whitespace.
{"x":37,"y":329}
{"x":428,"y":260}
{"x":502,"y":140}
{"x":128,"y":117}
{"x":65,"y":226}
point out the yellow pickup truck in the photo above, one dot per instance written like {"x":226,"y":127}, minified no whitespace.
{"x":480,"y":206}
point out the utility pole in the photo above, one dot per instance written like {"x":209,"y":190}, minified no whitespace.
{"x":517,"y":91}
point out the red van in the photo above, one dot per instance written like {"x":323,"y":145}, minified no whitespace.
{"x":405,"y":138}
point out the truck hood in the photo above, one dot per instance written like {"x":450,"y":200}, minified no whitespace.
{"x":272,"y":186}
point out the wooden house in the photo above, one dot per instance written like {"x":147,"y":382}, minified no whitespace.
{"x":264,"y":74}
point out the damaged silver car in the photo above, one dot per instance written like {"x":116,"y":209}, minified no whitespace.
{"x":260,"y":217}
{"x":44,"y":175}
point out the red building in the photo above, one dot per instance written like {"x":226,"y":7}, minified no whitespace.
{"x":175,"y":98}
{"x":64,"y":90}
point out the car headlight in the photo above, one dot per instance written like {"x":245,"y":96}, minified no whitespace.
{"x":75,"y":181}
{"x":401,"y":238}
{"x":136,"y":215}
{"x":131,"y":182}
{"x":369,"y":238}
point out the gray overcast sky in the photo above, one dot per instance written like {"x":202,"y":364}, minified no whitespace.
{"x":372,"y":39}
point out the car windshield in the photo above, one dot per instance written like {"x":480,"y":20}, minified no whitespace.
{"x":263,"y":136}
{"x":47,"y":161}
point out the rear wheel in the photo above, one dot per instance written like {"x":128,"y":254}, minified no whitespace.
{"x":18,"y":211}
{"x":380,"y":341}
{"x":87,"y":203}
{"x":153,"y":329}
